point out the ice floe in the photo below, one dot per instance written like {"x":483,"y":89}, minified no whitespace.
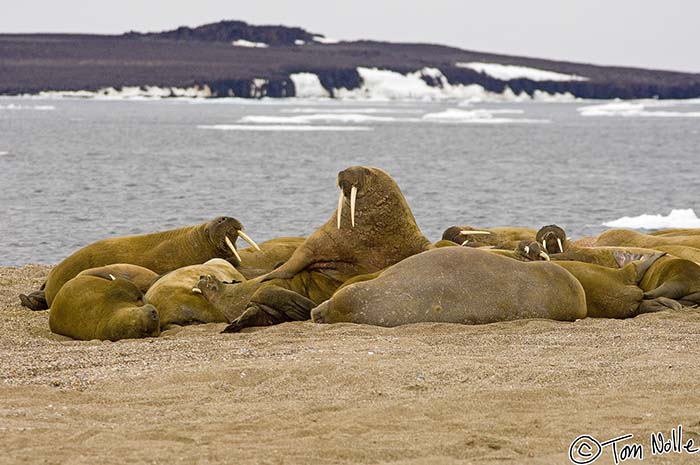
{"x":680,"y":218}
{"x":282,"y":127}
{"x":317,"y":118}
{"x":508,"y":72}
{"x":479,"y":116}
{"x":642,"y":108}
{"x":247,"y":43}
{"x":387,"y":110}
{"x":131,"y":92}
{"x":308,"y":85}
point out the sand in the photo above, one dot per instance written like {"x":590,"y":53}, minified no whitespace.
{"x":516,"y":392}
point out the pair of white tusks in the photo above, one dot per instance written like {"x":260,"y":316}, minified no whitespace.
{"x":246,"y":238}
{"x":341,"y":200}
{"x":561,"y":249}
{"x":542,"y":253}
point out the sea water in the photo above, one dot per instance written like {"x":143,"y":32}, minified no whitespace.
{"x":73,"y":171}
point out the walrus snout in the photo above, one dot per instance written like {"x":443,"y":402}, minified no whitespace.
{"x":317,"y":313}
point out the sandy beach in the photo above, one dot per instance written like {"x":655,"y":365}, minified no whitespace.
{"x":515,"y":392}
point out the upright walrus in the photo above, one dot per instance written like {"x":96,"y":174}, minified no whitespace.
{"x":372,"y":228}
{"x":161,"y":252}
{"x":457,"y":285}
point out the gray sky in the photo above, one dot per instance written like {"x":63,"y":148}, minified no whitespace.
{"x":647,"y":33}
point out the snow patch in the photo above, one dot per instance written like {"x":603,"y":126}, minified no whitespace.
{"x":325,"y":40}
{"x":279,"y":127}
{"x":636,"y":109}
{"x":247,"y":43}
{"x":315,"y":118}
{"x":480,"y":116}
{"x":308,"y":85}
{"x":681,"y":218}
{"x":508,"y":72}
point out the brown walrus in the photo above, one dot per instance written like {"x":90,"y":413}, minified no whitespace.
{"x":505,"y":237}
{"x":161,"y":252}
{"x":673,"y":278}
{"x":457,"y":285}
{"x":270,"y":255}
{"x":372,"y":228}
{"x":180,"y":303}
{"x":626,"y":237}
{"x":143,"y":278}
{"x":92,"y":307}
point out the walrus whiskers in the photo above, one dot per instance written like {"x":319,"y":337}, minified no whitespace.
{"x":341,"y":198}
{"x":250,"y":241}
{"x":353,"y":197}
{"x":233,"y":249}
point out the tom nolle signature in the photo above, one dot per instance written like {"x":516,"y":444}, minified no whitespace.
{"x":586,"y":449}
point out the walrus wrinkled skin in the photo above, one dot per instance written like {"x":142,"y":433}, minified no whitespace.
{"x":92,"y":307}
{"x":673,"y":278}
{"x":177,"y":300}
{"x":371,"y":229}
{"x":271,"y":255}
{"x":143,"y":278}
{"x":161,"y":252}
{"x":506,"y":238}
{"x":457,"y":285}
{"x":614,"y":293}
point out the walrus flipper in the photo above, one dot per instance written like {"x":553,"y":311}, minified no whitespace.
{"x":658,"y":305}
{"x":671,"y":289}
{"x":35,"y":301}
{"x":272,"y":305}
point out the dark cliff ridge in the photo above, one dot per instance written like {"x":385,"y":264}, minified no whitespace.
{"x":204,"y":57}
{"x":229,"y":31}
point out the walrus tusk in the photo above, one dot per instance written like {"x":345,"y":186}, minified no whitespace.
{"x":111,"y":276}
{"x":468,"y":232}
{"x":544,"y":244}
{"x":465,"y":242}
{"x":544,"y":255}
{"x":353,"y":197}
{"x":561,"y":249}
{"x":196,"y":290}
{"x":233,"y":249}
{"x":250,"y":241}
{"x":527,"y":249}
{"x":341,"y":197}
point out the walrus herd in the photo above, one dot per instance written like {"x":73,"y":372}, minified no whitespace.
{"x":369,"y":263}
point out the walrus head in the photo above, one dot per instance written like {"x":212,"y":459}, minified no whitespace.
{"x":223,"y":232}
{"x":466,"y":236}
{"x":531,"y":251}
{"x":553,"y":239}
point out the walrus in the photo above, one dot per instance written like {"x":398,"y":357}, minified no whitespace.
{"x":179,"y":302}
{"x":553,"y":239}
{"x":501,"y":237}
{"x":676,"y":232}
{"x":614,"y":293}
{"x":457,"y":285}
{"x":608,"y":256}
{"x":626,"y":237}
{"x":271,"y":255}
{"x":372,"y":228}
{"x":526,"y":251}
{"x":673,"y":278}
{"x":142,"y":277}
{"x":92,"y":307}
{"x":161,"y":252}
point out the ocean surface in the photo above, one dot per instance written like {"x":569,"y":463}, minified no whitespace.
{"x":73,"y":171}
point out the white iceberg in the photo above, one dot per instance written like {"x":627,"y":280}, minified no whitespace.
{"x":308,"y":85}
{"x":681,"y":218}
{"x":508,"y":72}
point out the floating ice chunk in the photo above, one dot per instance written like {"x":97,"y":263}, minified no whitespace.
{"x":480,"y":116}
{"x":280,"y":127}
{"x":681,"y":218}
{"x":299,"y":42}
{"x":247,"y":43}
{"x":13,"y":106}
{"x":355,"y":110}
{"x":308,"y":85}
{"x":315,"y":118}
{"x":508,"y":72}
{"x":635,"y":109}
{"x":3,"y":153}
{"x":325,"y":40}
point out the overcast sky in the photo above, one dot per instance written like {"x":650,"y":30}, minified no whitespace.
{"x":647,"y":33}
